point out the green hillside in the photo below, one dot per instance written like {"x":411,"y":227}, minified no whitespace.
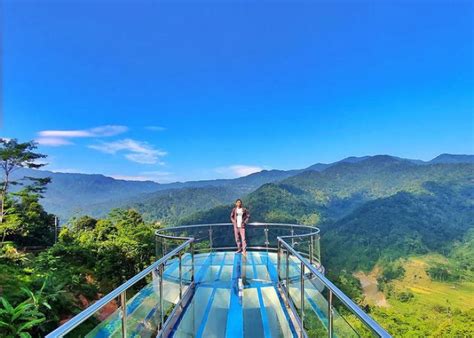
{"x":400,"y":225}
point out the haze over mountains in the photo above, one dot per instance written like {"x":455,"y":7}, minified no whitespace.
{"x":72,"y":194}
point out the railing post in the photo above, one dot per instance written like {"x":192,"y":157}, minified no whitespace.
{"x":162,"y":310}
{"x":292,"y":237}
{"x":330,"y":314}
{"x":163,"y":246}
{"x":287,"y":278}
{"x":302,"y":298}
{"x":318,"y":249}
{"x":210,"y":238}
{"x":279,"y":261}
{"x":180,"y":276}
{"x":123,"y":305}
{"x":266,"y":238}
{"x":192,"y":262}
{"x":311,"y":248}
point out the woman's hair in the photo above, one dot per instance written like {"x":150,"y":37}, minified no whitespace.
{"x":241,"y":203}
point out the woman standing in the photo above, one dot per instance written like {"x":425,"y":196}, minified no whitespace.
{"x":239,"y":218}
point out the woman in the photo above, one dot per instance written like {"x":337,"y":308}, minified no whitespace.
{"x":239,"y":218}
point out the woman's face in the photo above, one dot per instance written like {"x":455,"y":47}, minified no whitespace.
{"x":238,"y":204}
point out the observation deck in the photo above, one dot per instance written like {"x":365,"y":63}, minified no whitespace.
{"x":201,"y":288}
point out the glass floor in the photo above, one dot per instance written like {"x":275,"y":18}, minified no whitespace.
{"x":234,"y":296}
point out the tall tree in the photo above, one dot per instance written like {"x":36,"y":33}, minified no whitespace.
{"x":13,"y":156}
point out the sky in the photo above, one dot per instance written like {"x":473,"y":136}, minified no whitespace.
{"x":176,"y":91}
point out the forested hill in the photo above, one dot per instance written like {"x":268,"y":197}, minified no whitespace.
{"x":401,"y":225}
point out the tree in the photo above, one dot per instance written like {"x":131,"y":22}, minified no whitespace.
{"x":13,"y":156}
{"x":36,"y":225}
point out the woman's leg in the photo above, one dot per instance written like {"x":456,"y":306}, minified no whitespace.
{"x":237,"y":239}
{"x":244,"y":241}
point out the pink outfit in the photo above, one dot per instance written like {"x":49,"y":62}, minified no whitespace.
{"x":239,"y":232}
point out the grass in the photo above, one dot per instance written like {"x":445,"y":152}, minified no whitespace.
{"x":437,"y":309}
{"x":427,"y":292}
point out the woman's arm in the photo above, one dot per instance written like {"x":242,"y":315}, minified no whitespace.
{"x":247,"y":216}
{"x":232,"y":217}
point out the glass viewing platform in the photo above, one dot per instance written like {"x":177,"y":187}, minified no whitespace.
{"x":201,"y":288}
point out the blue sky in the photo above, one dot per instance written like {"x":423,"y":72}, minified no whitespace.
{"x":196,"y":90}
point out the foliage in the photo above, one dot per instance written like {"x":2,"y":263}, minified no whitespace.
{"x":13,"y":156}
{"x":91,"y":258}
{"x":10,"y":254}
{"x":16,"y":321}
{"x":443,"y":273}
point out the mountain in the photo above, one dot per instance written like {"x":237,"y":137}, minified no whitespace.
{"x":169,"y":206}
{"x":72,"y":194}
{"x":323,"y":166}
{"x":449,"y":158}
{"x":338,"y":190}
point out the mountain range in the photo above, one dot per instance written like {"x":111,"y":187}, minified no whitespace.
{"x":73,"y":194}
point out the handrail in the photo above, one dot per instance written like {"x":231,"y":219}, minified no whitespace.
{"x":91,"y":310}
{"x":310,"y":231}
{"x":334,"y":290}
{"x":300,"y":226}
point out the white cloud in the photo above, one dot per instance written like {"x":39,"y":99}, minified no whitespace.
{"x":52,"y":141}
{"x":156,"y":176}
{"x":155,"y":128}
{"x":238,"y":170}
{"x":135,"y":151}
{"x":57,"y":138}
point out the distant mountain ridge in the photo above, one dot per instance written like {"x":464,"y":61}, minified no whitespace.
{"x":341,"y":188}
{"x":449,"y":158}
{"x":76,"y":194}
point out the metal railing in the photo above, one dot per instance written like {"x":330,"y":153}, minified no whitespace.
{"x":260,"y":236}
{"x":121,"y":293}
{"x":299,"y":242}
{"x":310,"y":272}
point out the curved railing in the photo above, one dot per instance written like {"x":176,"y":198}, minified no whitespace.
{"x":260,"y":236}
